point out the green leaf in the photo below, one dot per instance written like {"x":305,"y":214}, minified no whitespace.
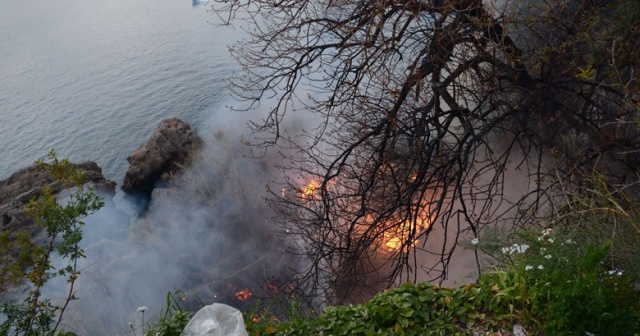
{"x":407,"y":313}
{"x":586,"y":73}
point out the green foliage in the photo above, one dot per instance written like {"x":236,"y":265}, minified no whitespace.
{"x":62,"y":224}
{"x":598,"y":211}
{"x":559,"y":285}
{"x":173,"y":319}
{"x":60,"y":332}
{"x":564,"y":275}
{"x":551,"y":283}
{"x":420,"y":309}
{"x":587,"y":73}
{"x":12,"y":269}
{"x":295,"y":319}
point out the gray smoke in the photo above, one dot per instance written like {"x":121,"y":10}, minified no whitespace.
{"x":205,"y":233}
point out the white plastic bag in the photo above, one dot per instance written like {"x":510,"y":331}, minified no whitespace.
{"x":216,"y":320}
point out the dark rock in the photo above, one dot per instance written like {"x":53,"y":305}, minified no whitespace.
{"x":170,"y":148}
{"x":30,"y":182}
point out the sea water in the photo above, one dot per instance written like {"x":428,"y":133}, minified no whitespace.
{"x":93,"y":78}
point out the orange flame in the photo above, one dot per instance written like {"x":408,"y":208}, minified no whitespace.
{"x":273,"y":288}
{"x":243,"y":294}
{"x":394,"y":238}
{"x":310,"y":189}
{"x":394,"y":243}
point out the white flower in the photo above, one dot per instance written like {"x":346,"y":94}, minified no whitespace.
{"x":540,"y":238}
{"x":548,"y":256}
{"x":528,"y":268}
{"x":542,"y":249}
{"x":523,"y":248}
{"x":551,"y":240}
{"x":546,"y":232}
{"x":142,"y":309}
{"x":540,"y":267}
{"x":569,"y":241}
{"x":615,"y":272}
{"x":515,"y":248}
{"x":475,"y":241}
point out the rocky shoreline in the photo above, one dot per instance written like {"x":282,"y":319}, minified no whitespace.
{"x":170,"y":148}
{"x":192,"y":218}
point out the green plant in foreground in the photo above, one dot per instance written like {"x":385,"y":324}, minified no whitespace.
{"x":420,"y":309}
{"x":551,"y":283}
{"x":558,"y":285}
{"x":172,"y":320}
{"x":295,"y":317}
{"x":62,"y":224}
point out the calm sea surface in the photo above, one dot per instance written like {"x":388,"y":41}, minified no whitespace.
{"x":92,"y":79}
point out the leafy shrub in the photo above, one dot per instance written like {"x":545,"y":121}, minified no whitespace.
{"x":173,"y":319}
{"x":63,"y":227}
{"x":421,"y":309}
{"x":553,"y":284}
{"x":559,"y":285}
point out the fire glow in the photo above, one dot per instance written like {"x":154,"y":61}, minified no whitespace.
{"x":273,"y":288}
{"x":310,"y":189}
{"x":394,"y":239}
{"x":243,"y":295}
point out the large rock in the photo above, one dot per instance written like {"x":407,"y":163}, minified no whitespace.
{"x":170,"y":148}
{"x":27,"y":183}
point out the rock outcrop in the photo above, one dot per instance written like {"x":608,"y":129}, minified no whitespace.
{"x":27,"y":183}
{"x":170,"y":148}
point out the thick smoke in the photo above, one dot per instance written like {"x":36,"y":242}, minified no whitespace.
{"x":205,"y":233}
{"x":208,"y":234}
{"x":496,"y":214}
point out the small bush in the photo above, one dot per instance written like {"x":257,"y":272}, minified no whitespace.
{"x":62,"y":224}
{"x":559,"y":285}
{"x":172,"y":320}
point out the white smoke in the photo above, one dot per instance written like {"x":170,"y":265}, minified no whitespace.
{"x":205,"y":233}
